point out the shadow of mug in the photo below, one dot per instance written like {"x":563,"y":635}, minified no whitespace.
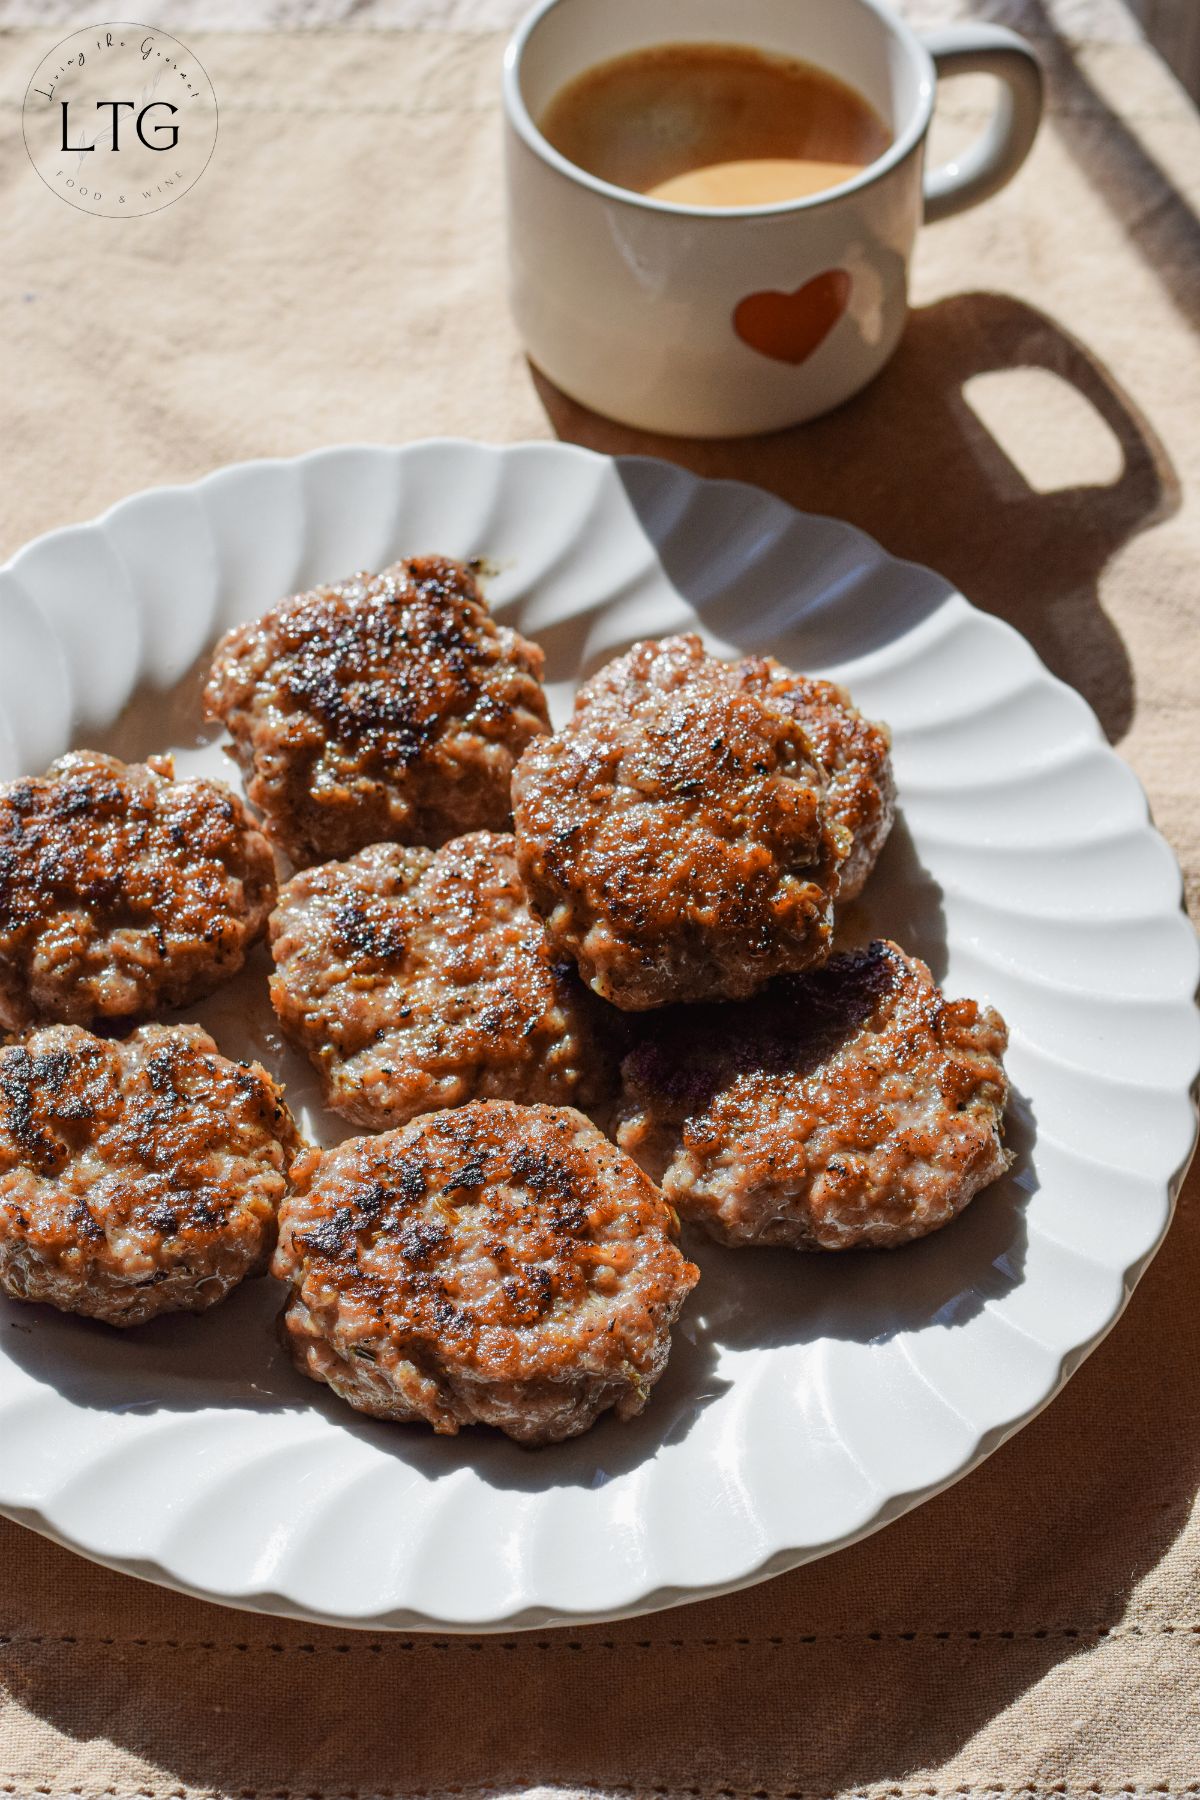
{"x":911,"y":462}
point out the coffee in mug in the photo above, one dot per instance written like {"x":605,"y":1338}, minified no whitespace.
{"x":714,"y":125}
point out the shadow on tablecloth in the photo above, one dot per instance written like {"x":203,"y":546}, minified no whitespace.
{"x":911,"y":461}
{"x":1152,"y":212}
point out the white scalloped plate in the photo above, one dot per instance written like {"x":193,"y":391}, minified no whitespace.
{"x":808,"y":1400}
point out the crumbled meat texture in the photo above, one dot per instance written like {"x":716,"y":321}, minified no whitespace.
{"x":123,"y":891}
{"x":136,"y":1177}
{"x":855,"y":753}
{"x":418,"y":979}
{"x":389,"y":707}
{"x":675,"y":835}
{"x":853,"y":1105}
{"x":493,"y":1264}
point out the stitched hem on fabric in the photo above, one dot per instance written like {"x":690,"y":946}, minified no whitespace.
{"x":373,"y":1646}
{"x":997,"y":1790}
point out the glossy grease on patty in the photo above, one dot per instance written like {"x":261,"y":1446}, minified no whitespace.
{"x":136,"y":1177}
{"x":855,"y":1105}
{"x":123,"y":891}
{"x":855,"y":753}
{"x":416,"y":979}
{"x":491,"y":1264}
{"x":387,"y":707}
{"x":675,"y":835}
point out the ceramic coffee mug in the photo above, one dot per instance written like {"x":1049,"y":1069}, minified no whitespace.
{"x":712,"y":322}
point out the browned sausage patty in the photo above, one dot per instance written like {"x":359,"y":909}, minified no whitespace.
{"x":122,"y":890}
{"x":853,"y":1105}
{"x":674,"y":835}
{"x":136,"y":1178}
{"x":389,"y":707}
{"x":494,"y":1264}
{"x":855,"y":753}
{"x":417,"y":979}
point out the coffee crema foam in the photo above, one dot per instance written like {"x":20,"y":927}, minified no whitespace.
{"x":716,"y":125}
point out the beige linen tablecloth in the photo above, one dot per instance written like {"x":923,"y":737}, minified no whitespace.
{"x":338,"y":274}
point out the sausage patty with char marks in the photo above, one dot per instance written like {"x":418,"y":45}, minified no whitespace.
{"x":494,"y":1264}
{"x":416,"y":979}
{"x":675,"y":835}
{"x":122,"y":890}
{"x":137,"y":1177}
{"x":387,"y":707}
{"x":855,"y":753}
{"x":853,"y":1105}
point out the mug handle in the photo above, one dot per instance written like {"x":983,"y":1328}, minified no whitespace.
{"x":991,"y":162}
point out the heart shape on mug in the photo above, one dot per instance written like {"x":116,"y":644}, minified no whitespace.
{"x":789,"y":327}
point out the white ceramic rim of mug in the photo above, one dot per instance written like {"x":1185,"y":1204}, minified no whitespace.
{"x":900,"y":147}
